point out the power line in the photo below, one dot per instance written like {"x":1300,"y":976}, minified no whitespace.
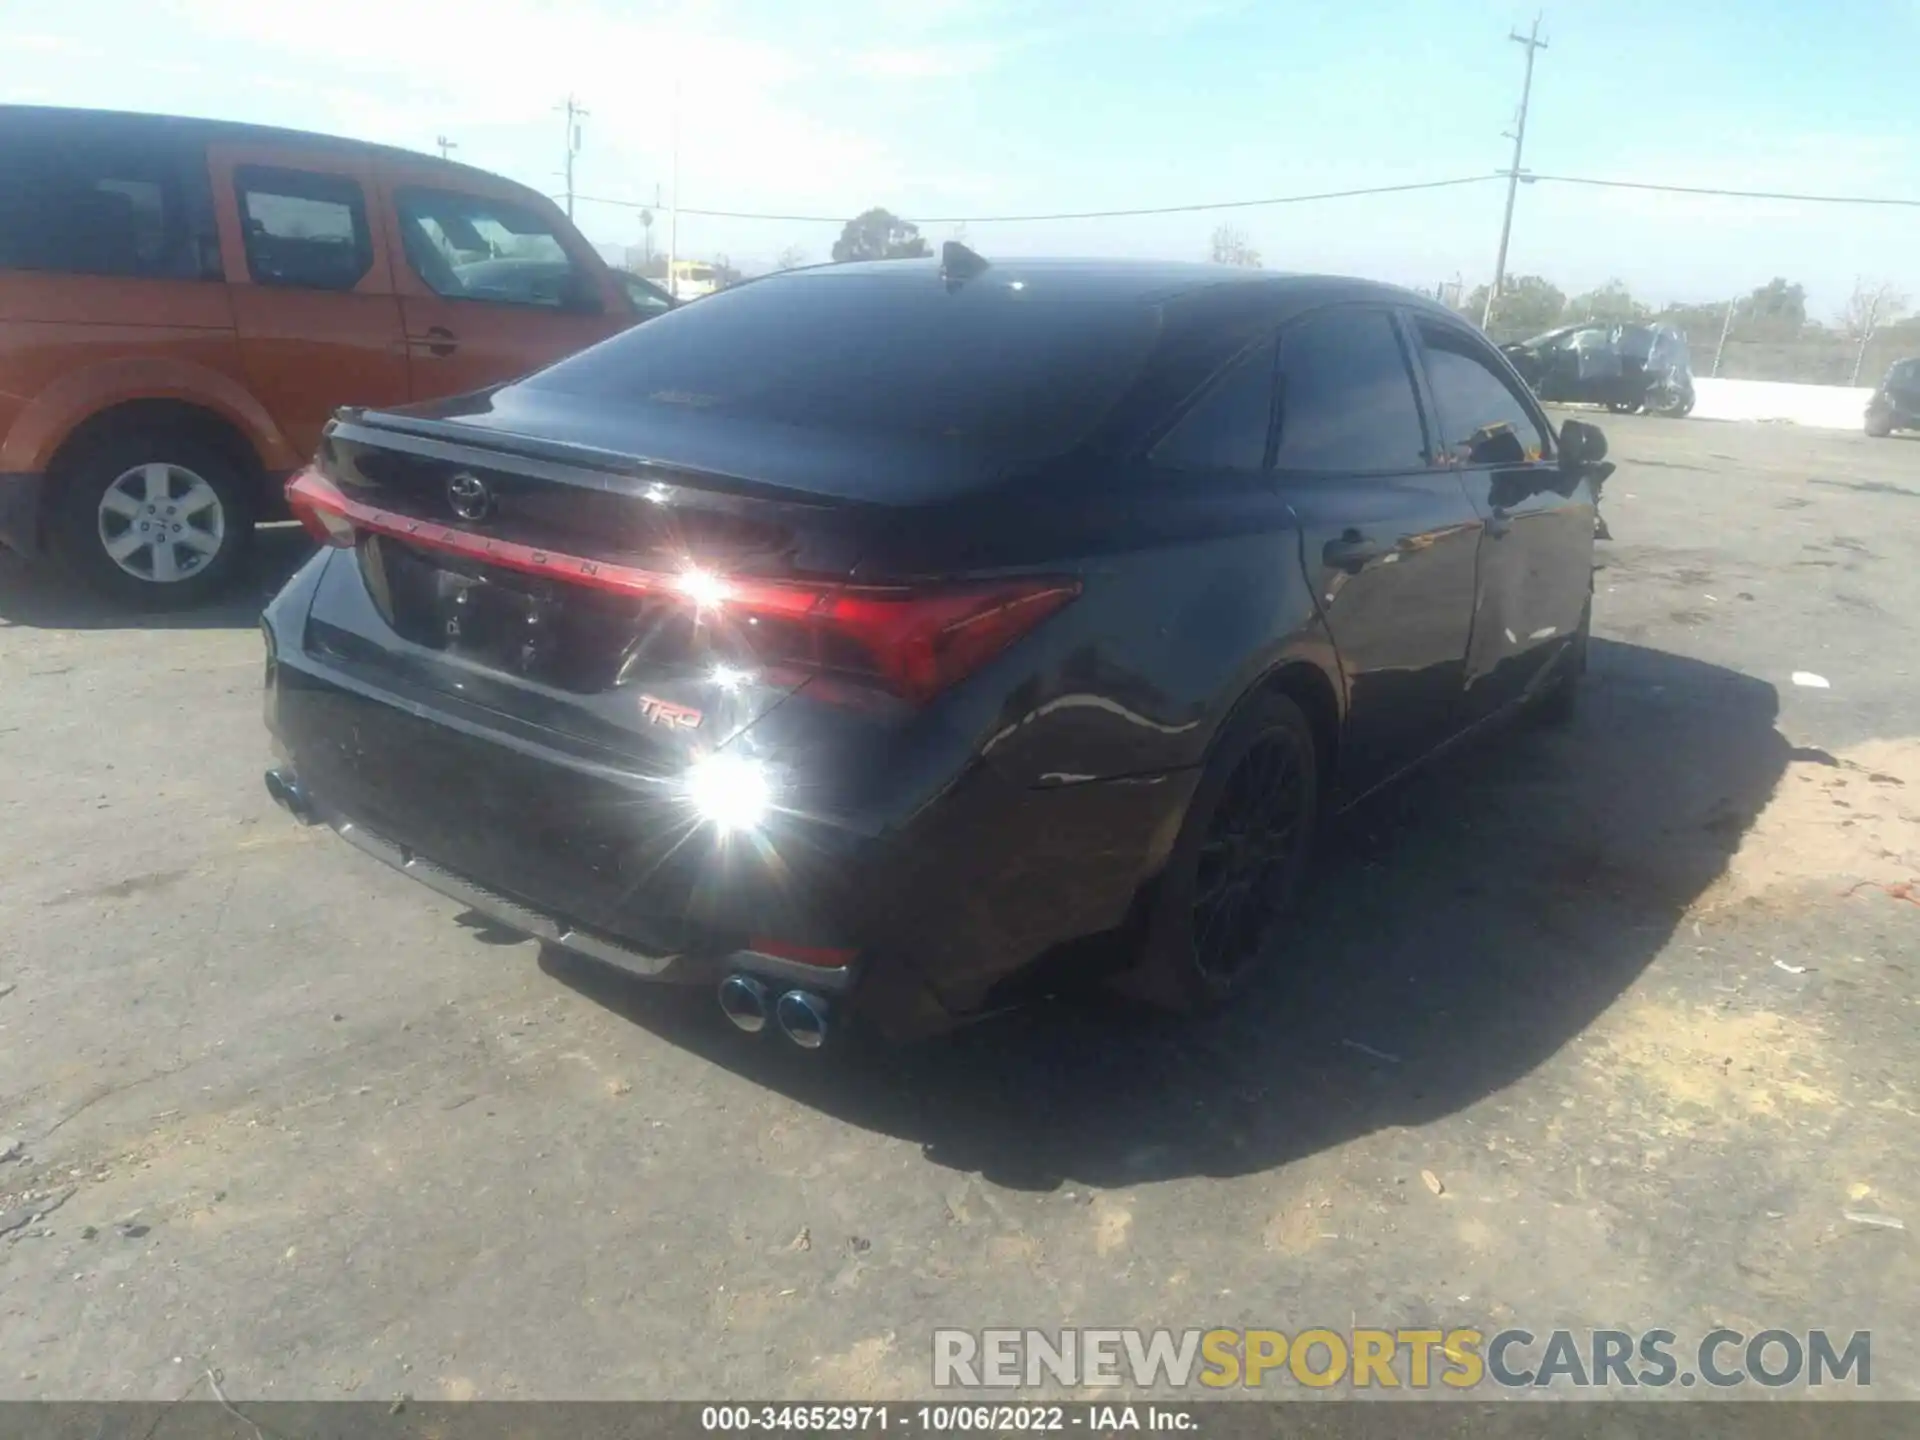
{"x":1733,"y":194}
{"x":1527,"y":177}
{"x":1072,"y":214}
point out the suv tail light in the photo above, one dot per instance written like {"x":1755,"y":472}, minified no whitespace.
{"x":913,"y":641}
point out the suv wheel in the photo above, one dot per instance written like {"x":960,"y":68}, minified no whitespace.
{"x":154,"y":520}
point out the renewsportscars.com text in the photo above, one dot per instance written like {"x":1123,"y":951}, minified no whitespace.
{"x":1363,"y":1358}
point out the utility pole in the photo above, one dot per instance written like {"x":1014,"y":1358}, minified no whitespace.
{"x":1866,"y":332}
{"x":673,"y":214}
{"x":1534,"y":43}
{"x":576,"y":112}
{"x":445,"y":145}
{"x":1726,"y":326}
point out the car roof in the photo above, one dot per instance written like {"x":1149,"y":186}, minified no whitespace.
{"x":1144,"y":281}
{"x":71,"y":120}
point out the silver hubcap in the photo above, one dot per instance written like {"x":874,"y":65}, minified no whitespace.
{"x":161,"y":523}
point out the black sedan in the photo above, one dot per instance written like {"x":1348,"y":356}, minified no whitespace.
{"x":898,"y":641}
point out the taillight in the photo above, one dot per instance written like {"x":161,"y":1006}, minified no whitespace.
{"x":320,"y":508}
{"x":914,"y":641}
{"x":922,"y":643}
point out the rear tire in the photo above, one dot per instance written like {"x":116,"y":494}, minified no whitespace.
{"x":153,"y":519}
{"x":1217,"y":908}
{"x":1879,"y":428}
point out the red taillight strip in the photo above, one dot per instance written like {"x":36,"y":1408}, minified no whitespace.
{"x":310,"y":492}
{"x":920,"y":640}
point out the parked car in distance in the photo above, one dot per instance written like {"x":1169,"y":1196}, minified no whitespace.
{"x":184,"y":304}
{"x":1895,"y":402}
{"x":691,"y":279}
{"x":1018,"y":623}
{"x":1626,"y":367}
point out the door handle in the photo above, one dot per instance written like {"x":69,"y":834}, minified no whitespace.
{"x":1352,"y":552}
{"x":440,"y":340}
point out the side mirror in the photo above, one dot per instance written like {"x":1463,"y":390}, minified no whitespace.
{"x":1582,"y":444}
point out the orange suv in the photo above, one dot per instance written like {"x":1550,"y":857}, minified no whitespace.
{"x":184,"y":304}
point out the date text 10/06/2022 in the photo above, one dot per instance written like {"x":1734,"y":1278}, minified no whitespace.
{"x":948,"y":1419}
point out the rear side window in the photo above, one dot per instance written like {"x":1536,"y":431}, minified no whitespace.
{"x":984,"y":367}
{"x":303,"y":228}
{"x":1227,"y":429}
{"x":1346,"y":396}
{"x":94,"y":209}
{"x":471,"y":247}
{"x":1482,"y":418}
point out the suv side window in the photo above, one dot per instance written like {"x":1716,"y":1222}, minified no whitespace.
{"x":1346,"y":396}
{"x":303,"y":228}
{"x":93,"y":209}
{"x":1483,"y":420}
{"x":472,"y":247}
{"x":1228,"y":428}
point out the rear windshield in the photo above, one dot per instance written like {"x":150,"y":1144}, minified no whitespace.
{"x":984,"y":368}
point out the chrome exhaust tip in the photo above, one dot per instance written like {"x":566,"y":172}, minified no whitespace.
{"x":288,"y":794}
{"x":803,"y":1018}
{"x":743,"y":1000}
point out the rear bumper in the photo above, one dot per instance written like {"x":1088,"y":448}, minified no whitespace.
{"x":537,"y":924}
{"x":955,"y":908}
{"x":20,"y":496}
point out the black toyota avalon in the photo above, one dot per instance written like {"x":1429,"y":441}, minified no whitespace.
{"x":896,"y":641}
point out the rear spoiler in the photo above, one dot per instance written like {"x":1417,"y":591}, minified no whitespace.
{"x":556,"y":460}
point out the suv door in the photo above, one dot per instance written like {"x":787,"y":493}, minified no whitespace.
{"x":312,"y":290}
{"x":493,"y":281}
{"x":1536,"y":550}
{"x":1388,"y":539}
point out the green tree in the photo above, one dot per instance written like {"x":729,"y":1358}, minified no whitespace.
{"x":1231,"y":247}
{"x":1774,"y":311}
{"x":879,"y":235}
{"x":1527,"y":305}
{"x":1611,"y":302}
{"x":1699,"y":323}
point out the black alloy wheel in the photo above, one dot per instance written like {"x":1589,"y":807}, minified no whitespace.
{"x":1216,"y":913}
{"x":1240,"y":876}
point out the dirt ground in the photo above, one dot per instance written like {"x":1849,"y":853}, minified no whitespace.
{"x":1639,"y":996}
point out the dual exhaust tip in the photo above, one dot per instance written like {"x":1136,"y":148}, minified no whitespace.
{"x":800,"y":1015}
{"x":291,"y":796}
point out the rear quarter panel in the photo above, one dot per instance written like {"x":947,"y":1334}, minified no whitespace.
{"x":1192,"y":592}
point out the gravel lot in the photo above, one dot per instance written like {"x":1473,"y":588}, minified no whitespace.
{"x":1614,"y":988}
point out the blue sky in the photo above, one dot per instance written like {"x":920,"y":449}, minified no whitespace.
{"x":975,"y":107}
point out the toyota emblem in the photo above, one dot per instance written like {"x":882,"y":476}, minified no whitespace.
{"x":469,"y":496}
